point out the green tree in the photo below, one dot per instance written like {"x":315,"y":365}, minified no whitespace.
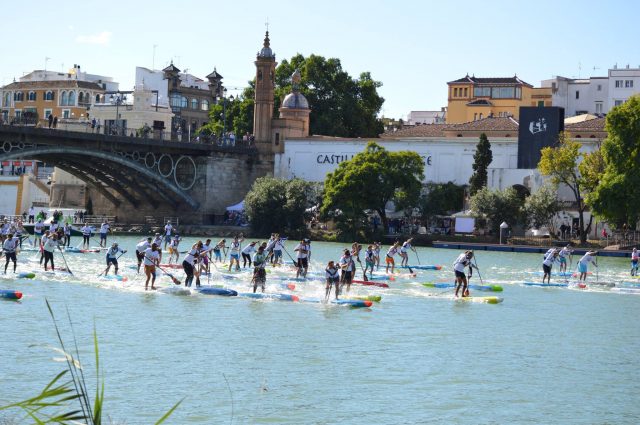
{"x":340,"y":104}
{"x":561,"y":164}
{"x":277,"y":205}
{"x":371,"y":179}
{"x":616,"y":198}
{"x":441,"y":199}
{"x":541,"y":207}
{"x":481,"y":161}
{"x":497,"y":206}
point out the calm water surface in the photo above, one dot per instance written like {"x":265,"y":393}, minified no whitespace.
{"x":542,"y":356}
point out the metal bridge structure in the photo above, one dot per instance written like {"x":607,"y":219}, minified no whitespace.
{"x":136,"y":170}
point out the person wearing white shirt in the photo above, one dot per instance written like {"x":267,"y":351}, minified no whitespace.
{"x":9,"y":247}
{"x":303,"y":250}
{"x":584,"y":262}
{"x":562,"y":256}
{"x":86,"y":235}
{"x":348,"y":266}
{"x":50,"y":245}
{"x":189,"y":264}
{"x":259,"y":273}
{"x":332,"y":274}
{"x":246,"y":254}
{"x":141,"y":247}
{"x":278,"y":247}
{"x":104,"y":229}
{"x":167,"y":233}
{"x":234,"y":252}
{"x":463,"y":260}
{"x":548,"y":263}
{"x":151,"y":260}
{"x":112,"y":258}
{"x":38,"y":228}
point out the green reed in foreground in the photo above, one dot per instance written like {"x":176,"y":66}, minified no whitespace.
{"x":69,"y":388}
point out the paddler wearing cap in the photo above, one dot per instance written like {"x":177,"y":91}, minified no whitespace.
{"x":141,"y":247}
{"x":259,"y":273}
{"x":583,"y":264}
{"x":246,"y":254}
{"x":547,"y":263}
{"x":562,"y":255}
{"x":304,"y":252}
{"x":332,"y":274}
{"x":348,"y":267}
{"x":463,"y":260}
{"x":151,"y":260}
{"x":112,"y":259}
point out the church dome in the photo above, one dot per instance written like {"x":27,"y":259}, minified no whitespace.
{"x":295,"y":100}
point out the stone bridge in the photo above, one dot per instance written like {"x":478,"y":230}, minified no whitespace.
{"x":131,"y":177}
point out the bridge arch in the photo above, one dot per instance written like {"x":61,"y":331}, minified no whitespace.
{"x":111,"y":170}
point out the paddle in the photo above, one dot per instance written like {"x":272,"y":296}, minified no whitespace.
{"x":596,"y":264}
{"x":173,"y":278}
{"x":65,"y":261}
{"x":478,"y":269}
{"x":295,"y":263}
{"x":416,"y":251}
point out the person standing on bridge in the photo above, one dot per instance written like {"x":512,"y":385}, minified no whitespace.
{"x":167,"y":233}
{"x":104,"y":229}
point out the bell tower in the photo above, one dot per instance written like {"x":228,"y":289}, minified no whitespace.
{"x":264,"y":95}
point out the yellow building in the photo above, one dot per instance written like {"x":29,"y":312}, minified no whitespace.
{"x":473,"y":98}
{"x":42,"y":93}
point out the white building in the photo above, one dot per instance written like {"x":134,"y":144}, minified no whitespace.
{"x":427,"y":117}
{"x":594,"y":95}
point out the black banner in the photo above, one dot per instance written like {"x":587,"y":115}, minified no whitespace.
{"x":539,"y":128}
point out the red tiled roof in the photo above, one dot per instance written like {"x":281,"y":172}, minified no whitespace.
{"x":424,"y":130}
{"x":487,"y":124}
{"x":596,"y":124}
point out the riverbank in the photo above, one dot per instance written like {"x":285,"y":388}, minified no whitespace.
{"x":523,"y":248}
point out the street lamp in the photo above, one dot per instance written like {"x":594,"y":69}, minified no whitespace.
{"x":503,"y":228}
{"x":117,"y":99}
{"x":224,"y":115}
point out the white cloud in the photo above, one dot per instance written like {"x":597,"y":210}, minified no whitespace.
{"x":102,"y":38}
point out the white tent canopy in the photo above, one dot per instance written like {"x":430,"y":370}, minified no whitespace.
{"x":237,"y":207}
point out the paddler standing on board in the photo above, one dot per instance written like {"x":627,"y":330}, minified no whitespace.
{"x":332,"y":273}
{"x":9,"y":247}
{"x":189,"y":264}
{"x":369,"y":260}
{"x":463,"y":260}
{"x":48,"y":248}
{"x":562,"y":255}
{"x":112,"y":258}
{"x":303,"y":251}
{"x":38,"y":229}
{"x":259,"y":273}
{"x":404,"y":252}
{"x":548,"y":263}
{"x":151,"y":260}
{"x":141,"y":248}
{"x":348,"y":267}
{"x":376,"y":253}
{"x":277,"y":250}
{"x":389,"y":258}
{"x":584,"y":262}
{"x":635,"y":256}
{"x":217,"y":250}
{"x":234,"y":252}
{"x":86,"y":235}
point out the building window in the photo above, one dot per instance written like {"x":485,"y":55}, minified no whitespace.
{"x":63,"y":98}
{"x":72,"y":98}
{"x":465,"y":92}
{"x":32,"y":96}
{"x":618,"y":102}
{"x":48,"y":95}
{"x":577,"y":94}
{"x":184,"y":102}
{"x":204,"y":105}
{"x":18,"y":114}
{"x":482,"y":91}
{"x":598,"y":107}
{"x":628,"y":84}
{"x":540,"y":103}
{"x":194,"y":103}
{"x":7,"y":100}
{"x":618,"y":84}
{"x":599,"y":87}
{"x":66,"y":113}
{"x":475,"y":116}
{"x":503,"y":92}
{"x":480,"y":115}
{"x":18,"y":96}
{"x":455,"y":92}
{"x":47,"y":112}
{"x":175,"y":100}
{"x":80,"y":98}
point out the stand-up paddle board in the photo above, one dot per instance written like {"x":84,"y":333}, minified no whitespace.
{"x":422,"y":267}
{"x":488,"y":300}
{"x":547,"y":285}
{"x":212,"y":290}
{"x":10,"y":294}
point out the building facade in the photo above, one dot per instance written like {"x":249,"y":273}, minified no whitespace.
{"x":39,"y":94}
{"x":427,"y":117}
{"x":594,"y":95}
{"x":473,"y":98}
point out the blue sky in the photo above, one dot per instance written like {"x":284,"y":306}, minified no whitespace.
{"x":412,"y":47}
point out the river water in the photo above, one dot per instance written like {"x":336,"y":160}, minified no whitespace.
{"x":544,"y":355}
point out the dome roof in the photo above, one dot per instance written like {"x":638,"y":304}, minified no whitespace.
{"x":295,"y":100}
